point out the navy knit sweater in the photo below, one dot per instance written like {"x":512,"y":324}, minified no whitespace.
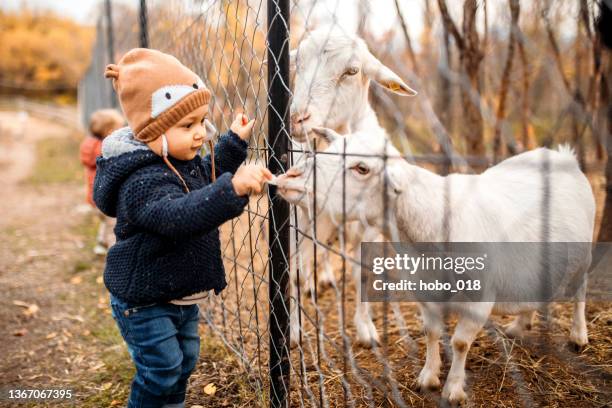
{"x":167,"y":240}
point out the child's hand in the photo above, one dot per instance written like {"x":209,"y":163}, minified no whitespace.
{"x":250,"y":178}
{"x":242,"y":126}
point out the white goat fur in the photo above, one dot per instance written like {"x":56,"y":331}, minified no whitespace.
{"x":336,"y":100}
{"x":503,"y":204}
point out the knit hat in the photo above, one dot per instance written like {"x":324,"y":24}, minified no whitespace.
{"x":155,"y":91}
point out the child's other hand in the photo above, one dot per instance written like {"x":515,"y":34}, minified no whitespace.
{"x":242,"y":126}
{"x":250,"y":178}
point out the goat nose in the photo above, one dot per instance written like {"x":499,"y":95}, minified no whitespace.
{"x":299,"y":118}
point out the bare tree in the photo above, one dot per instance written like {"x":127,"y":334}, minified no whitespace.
{"x":470,"y":57}
{"x":527,"y":142}
{"x":581,"y":106}
{"x":505,"y":84}
{"x":587,"y":18}
{"x":445,"y":99}
{"x":605,"y":34}
{"x":413,"y":59}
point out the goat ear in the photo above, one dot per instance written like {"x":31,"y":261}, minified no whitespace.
{"x":393,"y":176}
{"x":381,"y":74}
{"x":328,"y":134}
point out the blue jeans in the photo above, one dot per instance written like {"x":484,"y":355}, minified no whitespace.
{"x":164,"y":344}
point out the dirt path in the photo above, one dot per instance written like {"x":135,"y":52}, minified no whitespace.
{"x":42,"y":251}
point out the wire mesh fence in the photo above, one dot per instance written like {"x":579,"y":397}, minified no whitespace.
{"x":293,"y":312}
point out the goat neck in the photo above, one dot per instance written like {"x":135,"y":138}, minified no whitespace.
{"x":420,"y":212}
{"x":364,"y":118}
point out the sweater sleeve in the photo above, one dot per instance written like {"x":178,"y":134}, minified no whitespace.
{"x":166,"y":209}
{"x":230,"y":152}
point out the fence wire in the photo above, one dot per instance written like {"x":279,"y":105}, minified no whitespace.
{"x":287,"y":273}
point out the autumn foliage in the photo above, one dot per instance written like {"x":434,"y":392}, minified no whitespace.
{"x":42,"y":53}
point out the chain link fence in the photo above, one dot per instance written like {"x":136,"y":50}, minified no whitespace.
{"x":241,"y":49}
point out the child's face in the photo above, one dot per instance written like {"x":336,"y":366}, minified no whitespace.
{"x":186,"y":137}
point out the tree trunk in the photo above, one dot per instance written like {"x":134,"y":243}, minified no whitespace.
{"x":578,"y":114}
{"x":498,"y":144}
{"x":415,"y":64}
{"x":470,"y":58}
{"x":605,"y":231}
{"x":528,"y":141}
{"x":445,"y":98}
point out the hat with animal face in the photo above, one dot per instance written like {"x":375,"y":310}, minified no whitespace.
{"x":155,"y":91}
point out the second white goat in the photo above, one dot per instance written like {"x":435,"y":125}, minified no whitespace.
{"x":503,"y":204}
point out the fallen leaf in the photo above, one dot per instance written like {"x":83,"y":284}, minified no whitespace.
{"x":196,"y":406}
{"x":115,"y":402}
{"x":210,"y":389}
{"x":64,"y":316}
{"x":107,"y":385}
{"x":51,"y":335}
{"x":20,"y":303}
{"x":99,"y":279}
{"x":76,"y":280}
{"x":31,"y":310}
{"x":20,"y":332}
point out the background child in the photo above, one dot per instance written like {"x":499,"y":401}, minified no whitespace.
{"x":101,"y":123}
{"x":168,"y":212}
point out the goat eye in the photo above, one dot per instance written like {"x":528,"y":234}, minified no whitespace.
{"x":361,"y":168}
{"x":351,"y":71}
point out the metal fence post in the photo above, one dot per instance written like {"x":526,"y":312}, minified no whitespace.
{"x":144,"y":26}
{"x":278,"y":142}
{"x":110,"y":44}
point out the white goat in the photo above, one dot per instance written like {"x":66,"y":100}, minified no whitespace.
{"x":503,"y":204}
{"x":333,"y":71}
